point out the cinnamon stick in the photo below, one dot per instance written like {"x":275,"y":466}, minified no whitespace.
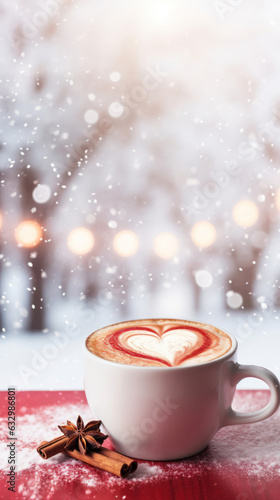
{"x":121,"y":458}
{"x":48,"y":449}
{"x":103,"y":458}
{"x":106,"y":462}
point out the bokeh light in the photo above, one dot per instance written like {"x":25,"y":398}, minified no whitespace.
{"x":125,"y":243}
{"x":41,"y":193}
{"x":80,"y":240}
{"x":91,"y":116}
{"x":245,"y":213}
{"x":28,"y":233}
{"x":115,"y":76}
{"x":203,"y":278}
{"x":165,"y":245}
{"x":115,"y":109}
{"x":234,"y":299}
{"x":203,"y":234}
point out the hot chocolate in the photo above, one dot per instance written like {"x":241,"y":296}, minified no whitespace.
{"x":159,"y":342}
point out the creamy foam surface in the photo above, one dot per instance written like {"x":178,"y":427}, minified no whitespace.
{"x":159,"y":342}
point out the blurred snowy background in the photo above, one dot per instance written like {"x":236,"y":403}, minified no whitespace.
{"x":139,"y":157}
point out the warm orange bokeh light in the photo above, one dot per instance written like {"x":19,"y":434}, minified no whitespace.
{"x":80,"y":241}
{"x":125,"y":243}
{"x":28,"y":233}
{"x":166,"y":245}
{"x":203,"y":234}
{"x":245,"y":213}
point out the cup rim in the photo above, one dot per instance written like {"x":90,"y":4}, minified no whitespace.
{"x":228,"y":354}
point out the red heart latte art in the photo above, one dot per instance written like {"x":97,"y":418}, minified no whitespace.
{"x":159,"y":343}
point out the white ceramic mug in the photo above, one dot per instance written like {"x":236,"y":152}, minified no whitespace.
{"x":158,"y":413}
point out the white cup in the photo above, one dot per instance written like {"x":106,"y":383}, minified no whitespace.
{"x":158,"y":413}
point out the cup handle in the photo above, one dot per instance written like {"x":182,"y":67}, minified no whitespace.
{"x":232,"y":417}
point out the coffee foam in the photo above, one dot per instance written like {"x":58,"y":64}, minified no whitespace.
{"x":159,"y":342}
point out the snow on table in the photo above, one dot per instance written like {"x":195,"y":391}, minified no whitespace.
{"x":241,"y":462}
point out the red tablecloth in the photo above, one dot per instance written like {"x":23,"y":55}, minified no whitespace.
{"x":241,"y":463}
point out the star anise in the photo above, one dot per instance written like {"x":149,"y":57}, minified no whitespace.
{"x":83,"y":438}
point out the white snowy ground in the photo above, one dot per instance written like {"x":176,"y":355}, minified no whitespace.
{"x":54,"y":360}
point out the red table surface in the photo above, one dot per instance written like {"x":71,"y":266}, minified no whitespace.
{"x":216,"y":473}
